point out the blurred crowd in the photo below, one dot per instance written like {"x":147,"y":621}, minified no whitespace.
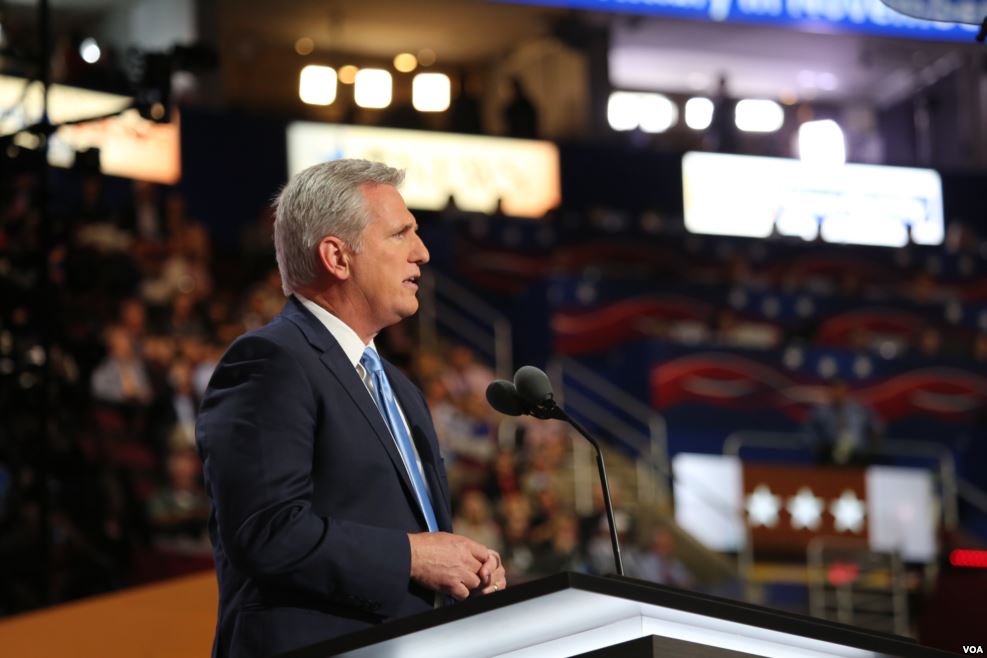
{"x":101,"y":373}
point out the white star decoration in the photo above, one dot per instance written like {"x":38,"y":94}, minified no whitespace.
{"x":848,"y":512}
{"x":763,"y":506}
{"x":806,"y":509}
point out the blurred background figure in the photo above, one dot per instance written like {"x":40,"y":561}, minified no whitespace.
{"x":842,"y":431}
{"x":660,"y":563}
{"x":723,"y":135}
{"x":520,"y":113}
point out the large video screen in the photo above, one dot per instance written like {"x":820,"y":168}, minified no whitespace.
{"x":759,"y":197}
{"x":866,"y":16}
{"x":476,"y":172}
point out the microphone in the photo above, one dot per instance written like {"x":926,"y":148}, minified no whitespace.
{"x":535,"y":389}
{"x":532,"y":394}
{"x":503,"y":397}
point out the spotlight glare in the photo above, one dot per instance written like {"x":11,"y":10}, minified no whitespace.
{"x":89,"y":50}
{"x":653,"y":113}
{"x":426,"y":57}
{"x":304,"y":46}
{"x":405,"y":62}
{"x":759,"y":116}
{"x":317,"y":85}
{"x":622,"y":110}
{"x":658,"y":113}
{"x":698,"y":113}
{"x":431,"y":92}
{"x":347,"y":74}
{"x":373,"y":88}
{"x":821,"y":142}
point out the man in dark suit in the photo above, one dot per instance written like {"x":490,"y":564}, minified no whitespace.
{"x":330,"y":503}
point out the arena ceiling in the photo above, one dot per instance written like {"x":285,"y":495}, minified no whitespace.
{"x":673,"y":55}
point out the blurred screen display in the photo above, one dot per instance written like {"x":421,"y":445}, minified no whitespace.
{"x":759,"y":197}
{"x":867,"y":16}
{"x":477,"y":172}
{"x":129,"y":146}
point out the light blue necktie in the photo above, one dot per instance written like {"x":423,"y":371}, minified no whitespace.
{"x":392,"y":416}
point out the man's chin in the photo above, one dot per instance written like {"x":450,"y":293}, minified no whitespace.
{"x":409,"y":310}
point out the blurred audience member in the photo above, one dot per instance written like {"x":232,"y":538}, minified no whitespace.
{"x":562,"y":551}
{"x":465,"y":376}
{"x":660,"y":564}
{"x":843,"y":431}
{"x":122,"y":376}
{"x":515,"y":512}
{"x":178,"y":511}
{"x":476,"y":521}
{"x":599,"y":550}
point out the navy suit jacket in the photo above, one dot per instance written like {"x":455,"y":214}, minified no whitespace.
{"x":311,"y":501}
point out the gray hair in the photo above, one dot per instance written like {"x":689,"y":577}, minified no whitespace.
{"x":324,"y":199}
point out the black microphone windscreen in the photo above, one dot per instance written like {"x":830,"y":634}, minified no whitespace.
{"x":532,"y":385}
{"x":503,"y":397}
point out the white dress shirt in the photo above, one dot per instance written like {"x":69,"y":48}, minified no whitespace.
{"x":354,"y":347}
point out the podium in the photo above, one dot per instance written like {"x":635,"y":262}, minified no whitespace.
{"x":571,"y":614}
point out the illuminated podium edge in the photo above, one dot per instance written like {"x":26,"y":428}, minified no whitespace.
{"x":569,"y":613}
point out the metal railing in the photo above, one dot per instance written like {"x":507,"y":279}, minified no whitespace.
{"x":940,"y":455}
{"x":623,"y":421}
{"x":873,"y":595}
{"x":448,"y":306}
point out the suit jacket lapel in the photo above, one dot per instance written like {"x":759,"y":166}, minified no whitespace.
{"x":333,"y":357}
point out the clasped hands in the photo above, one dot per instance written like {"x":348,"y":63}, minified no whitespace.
{"x":455,"y":565}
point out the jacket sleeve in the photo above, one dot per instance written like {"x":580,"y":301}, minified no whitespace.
{"x":256,"y":433}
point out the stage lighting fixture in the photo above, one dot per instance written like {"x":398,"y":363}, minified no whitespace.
{"x":304,"y":46}
{"x":430,"y":92}
{"x":373,"y":88}
{"x":347,"y":74}
{"x":657,"y":113}
{"x":622,"y":110}
{"x":821,"y":142}
{"x":317,"y":85}
{"x":759,"y":116}
{"x":698,"y":113}
{"x":89,"y":50}
{"x":652,"y":113}
{"x":426,"y":57}
{"x":405,"y":62}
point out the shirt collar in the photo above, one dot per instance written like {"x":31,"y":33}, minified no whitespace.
{"x":352,"y":346}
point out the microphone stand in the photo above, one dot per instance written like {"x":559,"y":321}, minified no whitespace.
{"x":549,"y":409}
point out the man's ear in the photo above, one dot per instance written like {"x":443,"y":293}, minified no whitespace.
{"x":334,"y":256}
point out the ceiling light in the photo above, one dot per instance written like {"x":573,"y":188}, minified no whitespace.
{"x":373,"y":88}
{"x":304,"y":46}
{"x":317,"y":85}
{"x":622,"y":110}
{"x":347,"y":74}
{"x":821,"y":142}
{"x":698,"y":113}
{"x":426,"y":57}
{"x":653,"y":113}
{"x":657,"y":113}
{"x":759,"y":116}
{"x":89,"y":50}
{"x":405,"y":62}
{"x":431,"y":92}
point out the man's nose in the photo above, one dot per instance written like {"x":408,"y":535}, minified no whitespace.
{"x":420,"y":254}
